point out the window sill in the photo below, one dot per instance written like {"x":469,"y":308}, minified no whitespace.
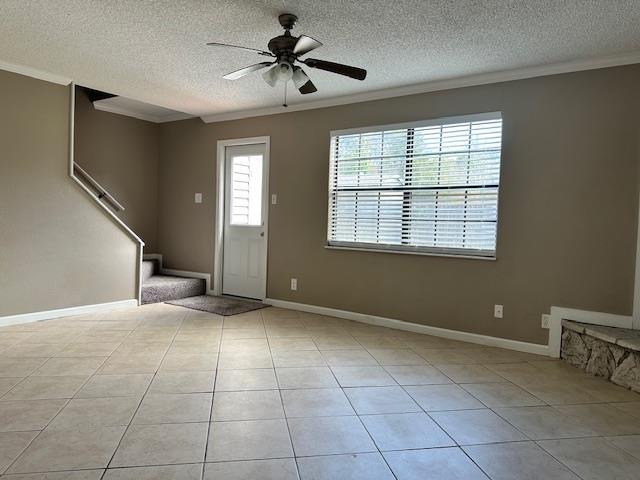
{"x":405,"y":252}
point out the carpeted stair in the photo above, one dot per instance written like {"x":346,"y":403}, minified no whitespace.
{"x":161,"y":288}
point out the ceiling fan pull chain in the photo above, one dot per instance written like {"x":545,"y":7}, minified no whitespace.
{"x":285,"y":95}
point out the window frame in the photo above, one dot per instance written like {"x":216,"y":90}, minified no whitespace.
{"x":462,"y":253}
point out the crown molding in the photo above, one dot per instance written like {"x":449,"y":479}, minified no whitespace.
{"x":34,"y":73}
{"x":141,"y":116}
{"x":439,"y":85}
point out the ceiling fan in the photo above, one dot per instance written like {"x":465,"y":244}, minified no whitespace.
{"x":286,"y":50}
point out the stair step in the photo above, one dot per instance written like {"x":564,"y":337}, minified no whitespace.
{"x":149,"y":268}
{"x":161,"y":288}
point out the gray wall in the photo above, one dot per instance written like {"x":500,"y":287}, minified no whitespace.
{"x":568,"y":206}
{"x":121,"y":153}
{"x":57,"y":247}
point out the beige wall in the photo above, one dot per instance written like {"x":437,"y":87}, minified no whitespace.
{"x":567,"y":221}
{"x":121,"y":153}
{"x":57,"y":247}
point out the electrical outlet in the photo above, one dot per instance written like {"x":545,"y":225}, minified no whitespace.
{"x":294,"y":284}
{"x":274,"y":199}
{"x":497,"y":311}
{"x":545,"y":320}
{"x":198,"y":198}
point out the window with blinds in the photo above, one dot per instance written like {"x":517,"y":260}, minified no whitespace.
{"x":246,"y":190}
{"x":427,"y":187}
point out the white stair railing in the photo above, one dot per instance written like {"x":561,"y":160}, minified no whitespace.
{"x":98,"y":189}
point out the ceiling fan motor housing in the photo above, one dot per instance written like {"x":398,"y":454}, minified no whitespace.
{"x":282,"y":47}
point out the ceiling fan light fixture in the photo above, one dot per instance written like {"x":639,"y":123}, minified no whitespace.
{"x":281,"y":72}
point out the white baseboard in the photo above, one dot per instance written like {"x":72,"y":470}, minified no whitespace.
{"x":415,"y":327}
{"x":65,"y":312}
{"x":583,"y":316}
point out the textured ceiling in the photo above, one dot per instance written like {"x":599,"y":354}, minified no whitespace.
{"x":155,"y":52}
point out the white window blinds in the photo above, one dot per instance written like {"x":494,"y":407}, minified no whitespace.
{"x":425,"y":187}
{"x":246,"y":190}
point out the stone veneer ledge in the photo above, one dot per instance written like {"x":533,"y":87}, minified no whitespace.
{"x":613,"y":353}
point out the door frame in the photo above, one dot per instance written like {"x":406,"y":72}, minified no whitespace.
{"x":218,"y":241}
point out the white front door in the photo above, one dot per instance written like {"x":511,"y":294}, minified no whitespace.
{"x":244,"y":248}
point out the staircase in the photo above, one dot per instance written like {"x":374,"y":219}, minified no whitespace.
{"x":155,"y":287}
{"x":161,"y":288}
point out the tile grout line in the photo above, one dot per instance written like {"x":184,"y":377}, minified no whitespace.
{"x":159,"y":365}
{"x":458,"y":446}
{"x":284,"y":413}
{"x":522,"y":385}
{"x":602,"y":437}
{"x":558,"y":460}
{"x":56,"y":415}
{"x":213,"y":396}
{"x":362,"y":423}
{"x":529,"y":439}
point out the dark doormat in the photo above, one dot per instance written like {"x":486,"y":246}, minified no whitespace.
{"x":220,"y":305}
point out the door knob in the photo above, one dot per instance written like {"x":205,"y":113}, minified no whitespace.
{"x":262,"y":234}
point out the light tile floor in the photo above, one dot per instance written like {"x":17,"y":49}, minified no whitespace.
{"x":162,"y":392}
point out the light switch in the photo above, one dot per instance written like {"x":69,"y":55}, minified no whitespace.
{"x":198,"y":198}
{"x":274,"y":199}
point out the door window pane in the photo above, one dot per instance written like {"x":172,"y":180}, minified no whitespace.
{"x":246,"y":190}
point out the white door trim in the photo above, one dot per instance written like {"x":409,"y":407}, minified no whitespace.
{"x":218,"y":241}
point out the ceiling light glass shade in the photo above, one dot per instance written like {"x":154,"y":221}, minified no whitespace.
{"x":270,"y":76}
{"x":299,"y":77}
{"x":284,"y":71}
{"x":281,"y":72}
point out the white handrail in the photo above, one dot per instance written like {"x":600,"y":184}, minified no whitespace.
{"x":102,"y":192}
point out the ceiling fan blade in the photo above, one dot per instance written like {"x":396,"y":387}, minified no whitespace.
{"x":305,"y":44}
{"x":340,"y":69}
{"x":246,"y":70}
{"x":261,"y":52}
{"x":302,"y":82}
{"x":308,"y":87}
